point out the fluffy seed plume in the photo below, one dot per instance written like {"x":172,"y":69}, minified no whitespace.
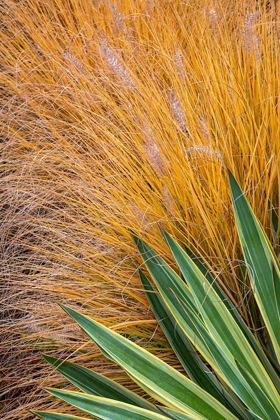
{"x":167,"y":199}
{"x":77,"y":155}
{"x":73,"y":61}
{"x":179,"y":64}
{"x":204,"y":150}
{"x":149,"y":6}
{"x":152,"y":150}
{"x":114,"y":62}
{"x":119,"y":21}
{"x":250,"y":37}
{"x":138,"y":213}
{"x":213,"y":20}
{"x":203,"y":127}
{"x":177,"y":111}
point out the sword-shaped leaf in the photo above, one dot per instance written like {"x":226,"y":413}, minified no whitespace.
{"x":56,"y":416}
{"x":225,"y":331}
{"x":186,"y":353}
{"x":105,"y":408}
{"x":259,"y":257}
{"x":162,"y":381}
{"x":274,"y":219}
{"x":176,"y":288}
{"x":96,"y":384}
{"x":172,"y":290}
{"x":176,"y":415}
{"x":258,"y":392}
{"x":240,"y":322}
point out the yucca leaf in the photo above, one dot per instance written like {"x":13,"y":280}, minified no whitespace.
{"x":227,"y":302}
{"x":254,"y":416}
{"x":221,"y":324}
{"x":224,"y":328}
{"x":224,"y":363}
{"x":158,"y":269}
{"x":56,"y":416}
{"x":165,"y":383}
{"x":105,"y":408}
{"x":176,"y":415}
{"x":186,"y":353}
{"x":96,"y":384}
{"x":245,"y":389}
{"x":259,"y":257}
{"x":184,"y":350}
{"x":258,"y":392}
{"x":240,"y":322}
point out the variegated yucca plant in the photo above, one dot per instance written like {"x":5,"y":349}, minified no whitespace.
{"x":234,"y":376}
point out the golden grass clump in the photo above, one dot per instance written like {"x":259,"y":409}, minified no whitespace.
{"x":115,"y":116}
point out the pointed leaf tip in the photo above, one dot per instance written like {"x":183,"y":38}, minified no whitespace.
{"x":51,"y":360}
{"x":69,"y":310}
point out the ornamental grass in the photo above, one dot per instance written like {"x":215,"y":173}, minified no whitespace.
{"x":116,"y":116}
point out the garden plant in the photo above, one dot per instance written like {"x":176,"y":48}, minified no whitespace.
{"x":237,"y":377}
{"x":121,"y":119}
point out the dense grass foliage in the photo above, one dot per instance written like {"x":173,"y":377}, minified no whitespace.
{"x":124,"y":115}
{"x":231,"y":374}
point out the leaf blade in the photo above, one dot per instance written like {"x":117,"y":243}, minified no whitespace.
{"x":96,"y":384}
{"x":240,"y":322}
{"x":169,"y":386}
{"x":104,"y":408}
{"x":46,"y":415}
{"x":185,"y":352}
{"x":225,"y":330}
{"x":258,"y":255}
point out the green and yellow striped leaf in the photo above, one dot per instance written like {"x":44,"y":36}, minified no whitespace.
{"x":46,"y":415}
{"x":260,"y":258}
{"x":177,"y":289}
{"x":225,"y":332}
{"x":105,"y":408}
{"x":96,"y":384}
{"x":196,"y":369}
{"x":223,"y":362}
{"x":240,"y":322}
{"x":177,"y":415}
{"x":163,"y":382}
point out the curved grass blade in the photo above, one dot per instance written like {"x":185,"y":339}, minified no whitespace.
{"x":259,"y":257}
{"x":186,"y":353}
{"x":274,"y":219}
{"x":96,"y":384}
{"x":165,"y":383}
{"x":105,"y":408}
